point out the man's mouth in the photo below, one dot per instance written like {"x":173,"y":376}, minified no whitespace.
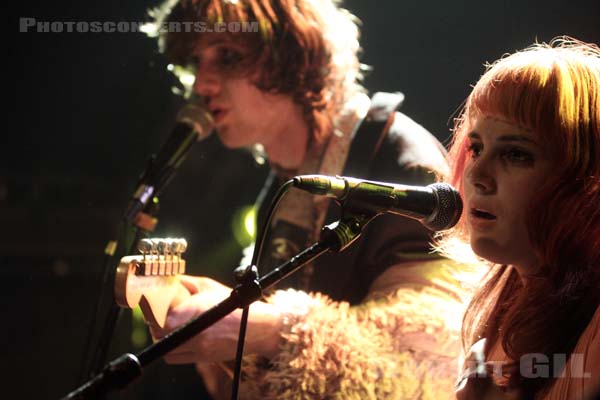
{"x":218,"y":114}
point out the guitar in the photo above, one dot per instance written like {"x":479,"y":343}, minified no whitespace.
{"x":152,"y":281}
{"x":152,"y":278}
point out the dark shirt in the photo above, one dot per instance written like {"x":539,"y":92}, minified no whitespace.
{"x":407,"y":154}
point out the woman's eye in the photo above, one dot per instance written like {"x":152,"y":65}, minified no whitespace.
{"x":517,"y":155}
{"x":474,"y":149}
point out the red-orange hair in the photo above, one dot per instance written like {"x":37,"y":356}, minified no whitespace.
{"x":553,"y":89}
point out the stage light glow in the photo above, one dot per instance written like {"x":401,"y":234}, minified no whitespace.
{"x":243,"y":225}
{"x":139,"y":330}
{"x":150,"y":29}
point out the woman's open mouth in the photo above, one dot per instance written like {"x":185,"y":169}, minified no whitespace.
{"x":477,"y":213}
{"x":481,"y":220}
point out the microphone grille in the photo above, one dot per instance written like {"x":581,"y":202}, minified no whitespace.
{"x":198,"y":117}
{"x":449,"y":207}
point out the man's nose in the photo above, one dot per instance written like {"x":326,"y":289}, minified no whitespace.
{"x":207,"y":82}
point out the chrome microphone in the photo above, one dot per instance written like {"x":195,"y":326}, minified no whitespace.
{"x":437,"y":206}
{"x":194,"y":123}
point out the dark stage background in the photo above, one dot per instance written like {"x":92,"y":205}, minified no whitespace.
{"x":89,"y":108}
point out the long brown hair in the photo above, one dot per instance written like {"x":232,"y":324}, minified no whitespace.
{"x":305,"y":48}
{"x":554,"y":89}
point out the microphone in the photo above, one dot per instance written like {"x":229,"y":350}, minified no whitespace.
{"x":437,"y":206}
{"x":193,"y":123}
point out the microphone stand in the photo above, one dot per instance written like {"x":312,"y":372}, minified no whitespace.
{"x":126,"y":368}
{"x":130,"y":235}
{"x":137,"y":221}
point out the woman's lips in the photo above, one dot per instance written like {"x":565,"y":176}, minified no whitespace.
{"x":481,"y":219}
{"x":482,"y":213}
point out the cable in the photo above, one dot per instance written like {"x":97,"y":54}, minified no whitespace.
{"x":258,"y":246}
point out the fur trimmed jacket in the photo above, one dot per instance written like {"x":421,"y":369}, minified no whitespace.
{"x":401,"y":343}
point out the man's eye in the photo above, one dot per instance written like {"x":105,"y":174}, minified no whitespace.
{"x":192,"y":64}
{"x":194,"y":61}
{"x":229,"y":57}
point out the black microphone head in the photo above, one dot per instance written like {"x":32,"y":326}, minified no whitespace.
{"x":448,"y":210}
{"x":198,"y":117}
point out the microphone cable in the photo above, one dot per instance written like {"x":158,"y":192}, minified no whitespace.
{"x":258,"y":247}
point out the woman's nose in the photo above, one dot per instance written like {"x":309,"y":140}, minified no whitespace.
{"x":481,"y":176}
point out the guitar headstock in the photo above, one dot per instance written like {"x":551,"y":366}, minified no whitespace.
{"x":151,"y":278}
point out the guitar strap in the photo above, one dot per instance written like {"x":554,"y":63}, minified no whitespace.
{"x":371,"y":134}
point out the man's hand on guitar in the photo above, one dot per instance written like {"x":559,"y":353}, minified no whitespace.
{"x":218,"y":342}
{"x":155,"y":280}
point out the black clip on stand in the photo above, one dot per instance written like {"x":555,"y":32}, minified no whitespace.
{"x":137,"y":221}
{"x":126,"y":368}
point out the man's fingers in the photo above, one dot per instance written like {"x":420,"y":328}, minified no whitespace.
{"x":187,"y":357}
{"x":191,"y":283}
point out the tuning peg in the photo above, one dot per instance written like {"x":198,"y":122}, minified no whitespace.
{"x":178,"y":246}
{"x":145,"y":246}
{"x":154,"y":242}
{"x":162,"y":246}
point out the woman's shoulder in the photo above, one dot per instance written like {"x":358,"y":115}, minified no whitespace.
{"x":589,"y":345}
